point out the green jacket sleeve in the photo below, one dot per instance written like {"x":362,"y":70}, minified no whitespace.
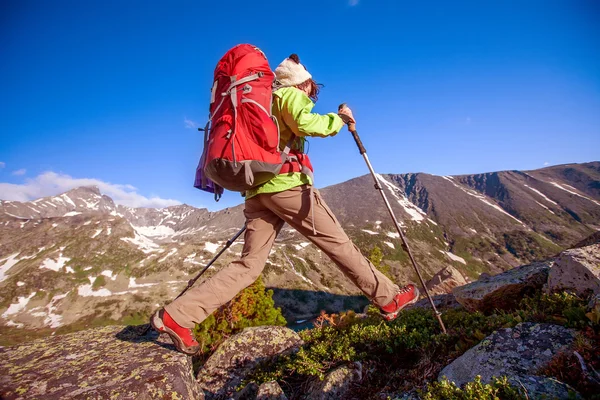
{"x":296,"y":112}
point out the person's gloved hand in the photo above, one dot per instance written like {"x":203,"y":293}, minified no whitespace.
{"x":345,"y":114}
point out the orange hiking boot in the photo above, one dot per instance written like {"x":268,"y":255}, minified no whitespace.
{"x":408,"y":294}
{"x":183,"y":338}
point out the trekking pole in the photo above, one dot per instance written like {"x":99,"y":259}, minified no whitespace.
{"x":404,"y":244}
{"x":143,"y":329}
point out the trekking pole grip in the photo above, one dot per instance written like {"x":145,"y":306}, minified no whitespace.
{"x":352,"y":129}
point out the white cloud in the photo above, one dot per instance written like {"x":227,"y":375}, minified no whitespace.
{"x":2,"y":164}
{"x":353,"y":3}
{"x":189,"y":124}
{"x":546,"y":163}
{"x":50,"y":184}
{"x":20,"y":172}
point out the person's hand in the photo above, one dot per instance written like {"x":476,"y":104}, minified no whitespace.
{"x":345,"y":114}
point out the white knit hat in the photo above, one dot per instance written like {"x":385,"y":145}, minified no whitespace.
{"x":290,"y":72}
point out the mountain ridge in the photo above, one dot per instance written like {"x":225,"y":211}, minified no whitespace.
{"x":79,"y":258}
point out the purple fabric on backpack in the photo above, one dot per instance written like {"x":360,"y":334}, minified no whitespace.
{"x":203,"y":183}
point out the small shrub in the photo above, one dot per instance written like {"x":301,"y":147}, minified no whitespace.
{"x":499,"y":389}
{"x":253,"y":306}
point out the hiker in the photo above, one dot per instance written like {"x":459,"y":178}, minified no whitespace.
{"x":287,"y":198}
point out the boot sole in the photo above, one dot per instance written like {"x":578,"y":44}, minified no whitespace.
{"x":392,"y":316}
{"x":160,"y":327}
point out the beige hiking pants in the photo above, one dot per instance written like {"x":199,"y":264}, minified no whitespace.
{"x":265,"y":215}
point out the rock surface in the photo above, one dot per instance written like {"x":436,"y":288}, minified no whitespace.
{"x":544,"y":388}
{"x":577,"y":270}
{"x":445,"y":280}
{"x":441,"y":301}
{"x":514,"y":352}
{"x":102,"y":363}
{"x":270,"y":391}
{"x":238,"y":355}
{"x":336,"y":383}
{"x":503,"y":291}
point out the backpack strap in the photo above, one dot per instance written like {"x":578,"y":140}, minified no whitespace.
{"x":285,"y":157}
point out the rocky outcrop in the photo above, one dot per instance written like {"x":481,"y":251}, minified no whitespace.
{"x":577,"y":270}
{"x":445,"y":280}
{"x":517,"y":352}
{"x":441,"y":301}
{"x":336,"y":383}
{"x":594,"y":238}
{"x":240,"y":354}
{"x":503,"y":291}
{"x":102,"y":363}
{"x":270,"y":391}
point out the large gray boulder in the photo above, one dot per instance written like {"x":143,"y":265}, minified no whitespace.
{"x":503,"y":291}
{"x":102,"y":363}
{"x":336,"y":383}
{"x":517,"y":352}
{"x":441,"y":302}
{"x":240,"y":354}
{"x":577,"y":270}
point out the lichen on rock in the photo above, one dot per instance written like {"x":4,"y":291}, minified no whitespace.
{"x":102,"y":363}
{"x":225,"y":370}
{"x":513,"y":352}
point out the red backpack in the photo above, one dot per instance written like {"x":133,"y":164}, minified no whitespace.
{"x":241,"y":138}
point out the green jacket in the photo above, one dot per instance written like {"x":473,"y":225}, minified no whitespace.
{"x":293,"y":110}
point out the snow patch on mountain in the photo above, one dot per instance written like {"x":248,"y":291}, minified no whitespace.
{"x":18,"y":306}
{"x":71,"y":214}
{"x":55,"y":265}
{"x":142,"y":242}
{"x":301,"y":245}
{"x":87,"y":291}
{"x":98,"y":231}
{"x":173,"y":251}
{"x":391,"y":245}
{"x":541,"y":194}
{"x":211,"y":247}
{"x":454,"y":257}
{"x":416,"y":214}
{"x":158,"y":231}
{"x":67,"y":199}
{"x":133,"y":284}
{"x":50,"y":318}
{"x":370,"y":232}
{"x":572,"y":191}
{"x":482,"y":198}
{"x":109,"y":274}
{"x":543,"y":206}
{"x":191,"y":259}
{"x":9,"y":262}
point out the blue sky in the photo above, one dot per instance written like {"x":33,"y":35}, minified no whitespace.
{"x":110,"y":92}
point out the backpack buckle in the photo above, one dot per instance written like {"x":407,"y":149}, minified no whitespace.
{"x":247,"y":88}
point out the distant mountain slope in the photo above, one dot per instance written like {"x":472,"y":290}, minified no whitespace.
{"x":76,"y":259}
